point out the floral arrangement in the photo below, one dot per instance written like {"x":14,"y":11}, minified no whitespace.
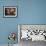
{"x":12,"y":36}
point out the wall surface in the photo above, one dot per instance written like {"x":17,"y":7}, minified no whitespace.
{"x":32,"y":11}
{"x":7,"y":25}
{"x":29,"y":12}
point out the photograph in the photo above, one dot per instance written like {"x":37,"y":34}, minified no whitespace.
{"x":10,"y":11}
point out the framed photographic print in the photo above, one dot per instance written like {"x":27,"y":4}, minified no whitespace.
{"x":10,"y":11}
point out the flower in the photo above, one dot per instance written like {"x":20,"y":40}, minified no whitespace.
{"x":12,"y":36}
